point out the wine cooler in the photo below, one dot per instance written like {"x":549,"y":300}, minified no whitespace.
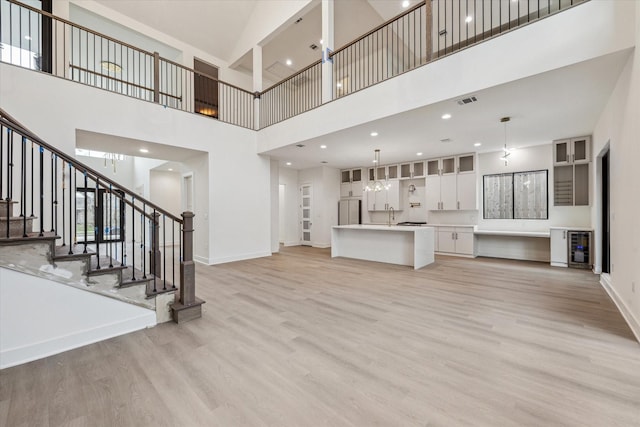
{"x":580,"y":249}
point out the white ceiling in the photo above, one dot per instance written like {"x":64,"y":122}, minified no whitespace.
{"x":557,"y":104}
{"x":131,"y":147}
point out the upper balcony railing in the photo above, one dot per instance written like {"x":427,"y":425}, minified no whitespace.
{"x":427,"y":32}
{"x":38,"y":40}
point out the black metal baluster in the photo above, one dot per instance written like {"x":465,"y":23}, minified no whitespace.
{"x":110,"y":243}
{"x":54,"y":224}
{"x":98,"y":226}
{"x":72,"y":206}
{"x":143,"y":244}
{"x":133,"y":238}
{"x":173,"y":253}
{"x":32,"y":183}
{"x":86,"y":212}
{"x":153,"y":261}
{"x":1,"y":154}
{"x":64,"y":185}
{"x":122,"y":209}
{"x":164,"y":253}
{"x":23,"y":187}
{"x":41,"y":149}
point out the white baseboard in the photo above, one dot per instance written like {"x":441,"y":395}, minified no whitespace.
{"x":17,"y":356}
{"x":558,"y":264}
{"x":292,"y":243}
{"x":321,"y":245}
{"x":634,"y":324}
{"x":241,"y":257}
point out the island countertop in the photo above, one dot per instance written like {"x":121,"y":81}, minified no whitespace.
{"x":395,"y":244}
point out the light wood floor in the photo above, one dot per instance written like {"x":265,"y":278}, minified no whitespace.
{"x":298,"y":339}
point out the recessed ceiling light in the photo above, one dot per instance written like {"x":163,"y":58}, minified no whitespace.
{"x":289,"y":62}
{"x":477,"y":144}
{"x":419,"y":154}
{"x":288,"y":163}
{"x":323,"y":146}
{"x":27,"y":37}
{"x":468,"y":19}
{"x":374,"y":133}
{"x":321,"y":41}
{"x":406,"y":3}
{"x":446,"y":116}
{"x":338,"y":85}
{"x":144,"y":150}
{"x":375,"y":161}
{"x":170,"y":170}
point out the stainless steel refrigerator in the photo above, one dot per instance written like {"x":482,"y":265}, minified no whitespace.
{"x":349,"y":211}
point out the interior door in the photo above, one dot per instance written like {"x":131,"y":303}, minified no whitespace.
{"x":305,"y":214}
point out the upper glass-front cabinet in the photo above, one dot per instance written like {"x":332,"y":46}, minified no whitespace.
{"x":572,"y":151}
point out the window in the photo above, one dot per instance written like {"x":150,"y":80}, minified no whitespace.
{"x":519,"y":195}
{"x":107,"y":215}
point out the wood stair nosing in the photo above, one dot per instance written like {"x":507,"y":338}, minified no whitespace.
{"x":31,"y":237}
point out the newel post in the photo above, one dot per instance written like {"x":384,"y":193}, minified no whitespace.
{"x":188,"y":307}
{"x":156,"y":77}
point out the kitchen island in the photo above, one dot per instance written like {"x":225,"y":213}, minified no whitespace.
{"x":403,"y":245}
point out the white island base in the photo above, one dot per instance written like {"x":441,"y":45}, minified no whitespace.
{"x":413,"y":246}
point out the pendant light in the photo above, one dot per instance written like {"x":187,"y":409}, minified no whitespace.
{"x":376,"y":185}
{"x":505,"y":151}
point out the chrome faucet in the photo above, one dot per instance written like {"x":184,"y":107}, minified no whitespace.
{"x":392,"y":215}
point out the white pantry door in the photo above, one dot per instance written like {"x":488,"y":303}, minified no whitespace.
{"x":305,"y":214}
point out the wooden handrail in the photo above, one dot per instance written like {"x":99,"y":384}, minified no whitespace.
{"x":117,"y":80}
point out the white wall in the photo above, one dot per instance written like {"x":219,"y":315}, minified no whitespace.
{"x":539,"y":157}
{"x":290,"y":213}
{"x":39,"y":318}
{"x":275,"y":206}
{"x":619,"y":127}
{"x":238,"y":179}
{"x":165,"y":190}
{"x":531,"y":50}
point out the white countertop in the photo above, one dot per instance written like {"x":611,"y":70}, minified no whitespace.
{"x":452,"y":225}
{"x":381,"y":227}
{"x":571,"y":228}
{"x":513,"y":233}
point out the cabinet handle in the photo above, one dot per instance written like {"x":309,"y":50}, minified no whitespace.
{"x":573,"y":158}
{"x":452,"y":236}
{"x":564,"y":235}
{"x":458,"y":205}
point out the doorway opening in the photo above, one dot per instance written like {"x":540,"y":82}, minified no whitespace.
{"x":606,"y":221}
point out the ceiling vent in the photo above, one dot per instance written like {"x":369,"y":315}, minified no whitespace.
{"x":298,"y":20}
{"x":299,"y":145}
{"x":313,"y":46}
{"x":446,"y":140}
{"x":468,"y":100}
{"x":442,"y":32}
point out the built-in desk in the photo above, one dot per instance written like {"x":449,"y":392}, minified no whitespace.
{"x":524,"y":245}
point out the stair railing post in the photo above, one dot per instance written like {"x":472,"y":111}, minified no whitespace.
{"x":156,"y":77}
{"x":155,"y":263}
{"x":187,"y":267}
{"x":188,"y":307}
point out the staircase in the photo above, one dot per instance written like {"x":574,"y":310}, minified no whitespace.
{"x":63,"y":221}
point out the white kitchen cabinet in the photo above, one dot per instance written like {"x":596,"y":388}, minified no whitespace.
{"x":385,"y":199}
{"x":351,"y":183}
{"x":559,"y":247}
{"x":572,"y":158}
{"x":385,"y":172}
{"x":456,"y":240}
{"x":572,"y":151}
{"x":451,"y":183}
{"x":412,"y":170}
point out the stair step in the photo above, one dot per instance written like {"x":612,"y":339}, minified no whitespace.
{"x":16,"y":226}
{"x":104,"y":266}
{"x":62,"y":252}
{"x":6,"y":206}
{"x":31,"y":237}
